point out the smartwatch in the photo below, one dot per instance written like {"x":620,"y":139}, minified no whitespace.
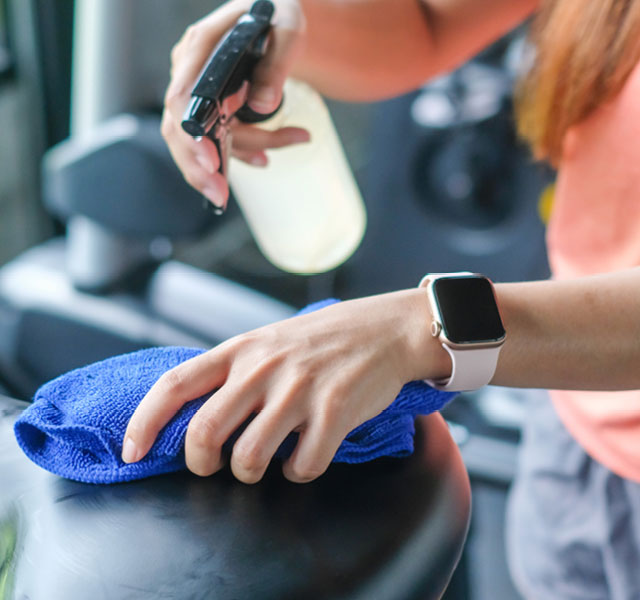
{"x":467,"y":322}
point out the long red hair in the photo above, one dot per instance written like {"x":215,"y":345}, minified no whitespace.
{"x":584,"y":52}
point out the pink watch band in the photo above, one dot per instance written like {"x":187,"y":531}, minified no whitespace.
{"x":471,"y":369}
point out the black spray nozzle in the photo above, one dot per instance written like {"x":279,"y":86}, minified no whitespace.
{"x":230,"y":65}
{"x":262,"y":10}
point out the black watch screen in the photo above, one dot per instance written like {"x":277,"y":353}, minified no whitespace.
{"x":468,"y":309}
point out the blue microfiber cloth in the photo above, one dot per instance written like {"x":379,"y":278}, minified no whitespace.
{"x":76,"y":424}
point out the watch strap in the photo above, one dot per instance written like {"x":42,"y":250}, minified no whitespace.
{"x":470,"y":370}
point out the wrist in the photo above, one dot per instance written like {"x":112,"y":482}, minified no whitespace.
{"x":424,"y":357}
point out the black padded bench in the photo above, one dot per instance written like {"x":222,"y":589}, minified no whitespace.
{"x":392,"y":529}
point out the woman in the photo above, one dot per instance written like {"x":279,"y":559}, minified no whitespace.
{"x":578,"y":494}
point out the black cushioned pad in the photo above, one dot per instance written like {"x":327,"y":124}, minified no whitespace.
{"x":390,"y":529}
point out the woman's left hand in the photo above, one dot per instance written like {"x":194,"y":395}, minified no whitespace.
{"x":321,"y":374}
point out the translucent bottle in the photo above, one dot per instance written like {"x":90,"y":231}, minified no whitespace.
{"x":304,"y":208}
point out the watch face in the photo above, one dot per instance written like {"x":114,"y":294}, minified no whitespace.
{"x":468,"y":309}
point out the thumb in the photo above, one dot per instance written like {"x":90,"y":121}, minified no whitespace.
{"x":284,"y":47}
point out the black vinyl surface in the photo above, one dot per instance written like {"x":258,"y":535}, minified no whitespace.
{"x":390,"y":529}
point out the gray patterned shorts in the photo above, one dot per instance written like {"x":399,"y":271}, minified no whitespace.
{"x":573,"y":527}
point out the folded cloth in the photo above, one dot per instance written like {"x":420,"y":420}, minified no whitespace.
{"x":76,"y":424}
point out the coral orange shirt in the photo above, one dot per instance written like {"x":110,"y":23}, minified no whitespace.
{"x":595,"y":228}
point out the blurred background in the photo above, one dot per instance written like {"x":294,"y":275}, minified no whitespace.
{"x":104,"y":249}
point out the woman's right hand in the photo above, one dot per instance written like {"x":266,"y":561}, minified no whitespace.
{"x":199,"y":160}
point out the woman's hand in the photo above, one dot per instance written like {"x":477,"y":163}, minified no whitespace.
{"x":321,"y":374}
{"x":199,"y":161}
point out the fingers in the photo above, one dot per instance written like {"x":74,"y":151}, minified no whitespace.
{"x":187,"y":381}
{"x":255,"y":448}
{"x":253,"y":451}
{"x":197,"y":160}
{"x":253,"y":139}
{"x":212,"y":425}
{"x":315,"y":450}
{"x":249,"y":142}
{"x":257,"y":159}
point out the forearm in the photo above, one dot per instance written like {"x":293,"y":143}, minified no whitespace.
{"x":582,"y":334}
{"x":579,"y":334}
{"x":363,"y":50}
{"x":367,"y":50}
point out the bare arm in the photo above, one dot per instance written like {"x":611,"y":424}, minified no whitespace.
{"x":359,"y":50}
{"x":581,"y":334}
{"x":348,"y":49}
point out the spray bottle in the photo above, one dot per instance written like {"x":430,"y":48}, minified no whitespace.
{"x":304,"y":208}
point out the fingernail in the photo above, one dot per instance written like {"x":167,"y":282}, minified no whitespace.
{"x":205,"y":163}
{"x":258,"y":160}
{"x":263,"y":99}
{"x":213,"y":194}
{"x":129,"y":451}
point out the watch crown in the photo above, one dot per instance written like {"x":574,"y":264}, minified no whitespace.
{"x":436,"y":328}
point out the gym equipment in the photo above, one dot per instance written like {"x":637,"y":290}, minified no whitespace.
{"x":392,"y":529}
{"x":389,"y":529}
{"x":105,"y":288}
